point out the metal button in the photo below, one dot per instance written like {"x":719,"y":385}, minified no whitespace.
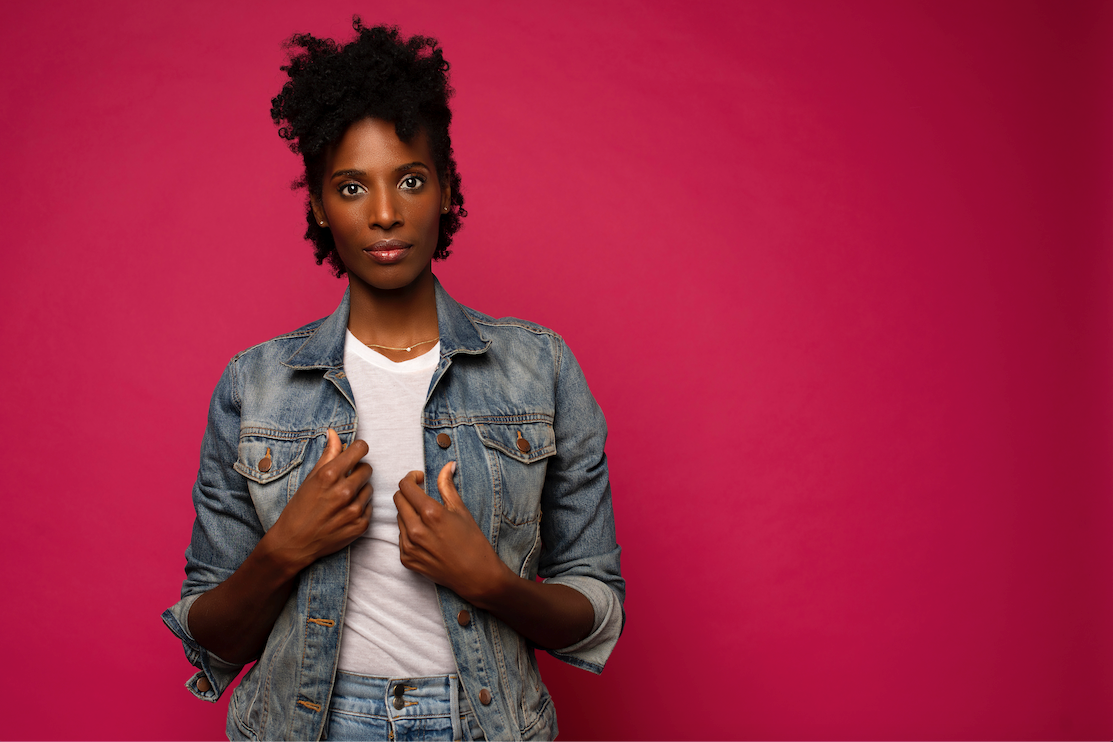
{"x":203,"y":684}
{"x":463,"y":618}
{"x":523,"y":444}
{"x":485,"y":697}
{"x":399,"y":703}
{"x":399,"y":690}
{"x":265,"y":462}
{"x":443,"y":440}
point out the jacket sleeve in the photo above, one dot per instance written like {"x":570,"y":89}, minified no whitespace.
{"x":577,"y":524}
{"x":225,"y":530}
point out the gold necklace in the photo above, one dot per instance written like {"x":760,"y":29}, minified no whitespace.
{"x":388,"y":347}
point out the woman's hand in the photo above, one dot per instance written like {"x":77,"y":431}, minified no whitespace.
{"x":443,"y":542}
{"x":330,"y":510}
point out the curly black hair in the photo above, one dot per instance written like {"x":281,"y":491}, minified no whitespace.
{"x":378,"y":75}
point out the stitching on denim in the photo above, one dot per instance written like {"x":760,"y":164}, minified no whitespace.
{"x":526,"y":325}
{"x":495,"y":467}
{"x":292,"y":435}
{"x":234,"y":365}
{"x":559,"y":364}
{"x":500,"y":663}
{"x":307,"y":704}
{"x":291,"y":481}
{"x":533,"y":549}
{"x":322,"y":621}
{"x":304,"y":640}
{"x":295,"y":335}
{"x":452,"y":421}
{"x":542,"y":714}
{"x":290,"y":633}
{"x":252,"y":472}
{"x":535,"y":455}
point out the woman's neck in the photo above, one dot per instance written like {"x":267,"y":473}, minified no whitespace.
{"x":394,"y":318}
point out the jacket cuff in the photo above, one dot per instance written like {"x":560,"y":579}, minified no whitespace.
{"x":591,"y":652}
{"x":218,"y":674}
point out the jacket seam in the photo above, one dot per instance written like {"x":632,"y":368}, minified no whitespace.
{"x":293,"y":435}
{"x":454,"y":421}
{"x":234,"y":365}
{"x":301,"y":332}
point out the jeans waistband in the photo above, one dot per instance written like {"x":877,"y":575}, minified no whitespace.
{"x":400,"y":698}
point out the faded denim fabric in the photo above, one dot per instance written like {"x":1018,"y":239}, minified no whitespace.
{"x":547,"y":510}
{"x":399,"y":709}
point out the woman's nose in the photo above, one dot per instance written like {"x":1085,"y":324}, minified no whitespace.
{"x":385,"y":213}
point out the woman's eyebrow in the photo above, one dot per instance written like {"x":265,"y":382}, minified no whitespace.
{"x":354,"y":173}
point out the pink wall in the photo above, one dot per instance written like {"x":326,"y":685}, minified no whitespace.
{"x":839,"y":273}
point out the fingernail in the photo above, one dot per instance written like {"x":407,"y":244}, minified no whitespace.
{"x":453,"y":467}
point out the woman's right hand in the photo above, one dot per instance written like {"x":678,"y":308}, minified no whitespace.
{"x":331,"y":509}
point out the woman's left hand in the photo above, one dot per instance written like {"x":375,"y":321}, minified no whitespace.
{"x":443,"y":542}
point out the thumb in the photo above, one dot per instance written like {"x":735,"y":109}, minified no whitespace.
{"x":447,"y":488}
{"x":333,"y":448}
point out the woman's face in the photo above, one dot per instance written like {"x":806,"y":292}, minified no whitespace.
{"x":381,"y":198}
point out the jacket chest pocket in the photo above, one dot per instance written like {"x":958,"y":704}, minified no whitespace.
{"x":517,"y":454}
{"x":271,"y":463}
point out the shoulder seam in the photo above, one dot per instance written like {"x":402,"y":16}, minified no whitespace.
{"x":303,"y":332}
{"x":521,"y":324}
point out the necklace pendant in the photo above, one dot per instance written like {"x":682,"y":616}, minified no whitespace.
{"x":409,"y":349}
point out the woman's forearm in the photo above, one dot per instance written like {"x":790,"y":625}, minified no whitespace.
{"x":550,"y":615}
{"x":330,"y":510}
{"x":234,"y":619}
{"x":443,"y":542}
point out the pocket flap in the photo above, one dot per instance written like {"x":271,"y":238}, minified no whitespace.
{"x":524,"y":442}
{"x":265,"y":459}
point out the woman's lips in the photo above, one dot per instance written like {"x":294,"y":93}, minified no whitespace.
{"x":386,"y":252}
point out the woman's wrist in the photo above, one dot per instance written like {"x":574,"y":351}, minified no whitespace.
{"x":279,"y":561}
{"x":497,"y":590}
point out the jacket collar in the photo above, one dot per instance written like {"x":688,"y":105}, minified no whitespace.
{"x":324,"y":348}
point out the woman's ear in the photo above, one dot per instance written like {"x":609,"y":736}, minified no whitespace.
{"x":446,"y":199}
{"x":318,"y":210}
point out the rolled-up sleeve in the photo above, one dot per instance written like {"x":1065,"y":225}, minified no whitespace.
{"x":225,"y":530}
{"x":580,"y":549}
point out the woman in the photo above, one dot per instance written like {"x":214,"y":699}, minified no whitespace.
{"x":379,"y":489}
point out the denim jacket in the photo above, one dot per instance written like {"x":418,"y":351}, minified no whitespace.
{"x":545,"y":507}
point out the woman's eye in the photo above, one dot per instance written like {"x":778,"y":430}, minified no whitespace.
{"x":350,"y":189}
{"x":411,"y":182}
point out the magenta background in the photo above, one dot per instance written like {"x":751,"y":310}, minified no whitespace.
{"x":839,"y":274}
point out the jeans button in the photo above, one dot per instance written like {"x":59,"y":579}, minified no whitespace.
{"x":485,"y":697}
{"x":463,"y":618}
{"x":443,"y":440}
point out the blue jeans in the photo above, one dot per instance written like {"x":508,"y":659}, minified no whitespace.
{"x":372,"y":708}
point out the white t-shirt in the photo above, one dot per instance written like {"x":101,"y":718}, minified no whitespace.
{"x":392,"y":625}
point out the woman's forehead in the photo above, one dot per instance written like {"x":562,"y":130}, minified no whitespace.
{"x":375,"y":143}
